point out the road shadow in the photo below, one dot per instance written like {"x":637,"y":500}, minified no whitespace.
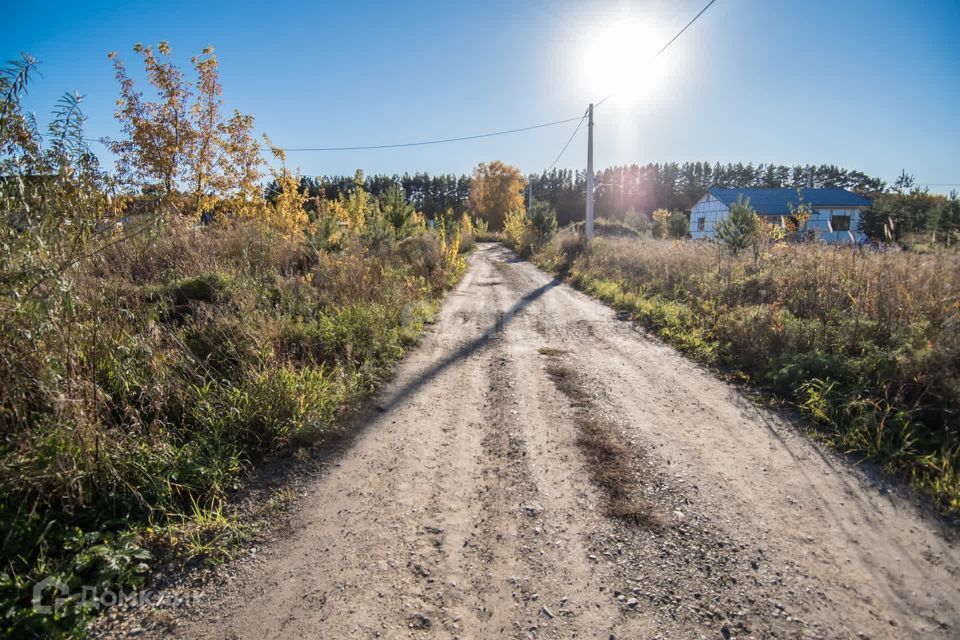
{"x":474,"y":346}
{"x":387,"y":398}
{"x":270,"y":475}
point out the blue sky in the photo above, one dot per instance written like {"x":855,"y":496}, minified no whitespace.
{"x":872,"y":85}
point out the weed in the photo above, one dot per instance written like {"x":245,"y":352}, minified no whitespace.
{"x":610,"y":464}
{"x":550,"y":351}
{"x":146,"y":364}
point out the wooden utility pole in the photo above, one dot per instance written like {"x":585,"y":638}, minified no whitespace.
{"x":590,"y":172}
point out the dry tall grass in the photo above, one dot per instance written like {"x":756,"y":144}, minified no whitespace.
{"x":145,"y":363}
{"x":866,"y":342}
{"x":173,"y":362}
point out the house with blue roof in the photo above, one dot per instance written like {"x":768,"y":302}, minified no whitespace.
{"x":835,"y":218}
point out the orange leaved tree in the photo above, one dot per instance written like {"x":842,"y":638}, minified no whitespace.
{"x":495,"y":190}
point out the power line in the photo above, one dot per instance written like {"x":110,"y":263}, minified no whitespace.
{"x":562,"y":151}
{"x":419,"y":143}
{"x":672,"y":40}
{"x":482,"y":135}
{"x":680,"y":33}
{"x":429,"y":142}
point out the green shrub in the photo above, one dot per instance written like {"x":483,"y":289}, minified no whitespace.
{"x":206,"y":288}
{"x":678,"y":225}
{"x":543,"y":219}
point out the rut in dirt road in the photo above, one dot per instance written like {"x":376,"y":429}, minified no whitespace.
{"x":539,"y":469}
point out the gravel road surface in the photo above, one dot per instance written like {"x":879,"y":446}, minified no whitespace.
{"x":540,"y":469}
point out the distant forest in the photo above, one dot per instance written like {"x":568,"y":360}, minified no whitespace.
{"x":674,"y":186}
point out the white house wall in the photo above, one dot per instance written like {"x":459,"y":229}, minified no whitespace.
{"x":819,"y":223}
{"x":712,"y":210}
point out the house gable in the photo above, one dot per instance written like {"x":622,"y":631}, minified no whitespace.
{"x":705,"y":215}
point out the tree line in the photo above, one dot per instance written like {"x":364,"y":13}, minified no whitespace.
{"x":432,"y":195}
{"x":619,"y":189}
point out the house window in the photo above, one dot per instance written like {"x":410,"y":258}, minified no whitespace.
{"x":701,"y":224}
{"x":840,"y":223}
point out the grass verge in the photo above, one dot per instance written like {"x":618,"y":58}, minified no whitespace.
{"x":137,"y":397}
{"x":864,"y":343}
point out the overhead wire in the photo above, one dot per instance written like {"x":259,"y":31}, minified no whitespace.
{"x":666,"y":46}
{"x":421,"y":143}
{"x":569,"y":140}
{"x":656,"y":55}
{"x":440,"y":141}
{"x":491,"y":134}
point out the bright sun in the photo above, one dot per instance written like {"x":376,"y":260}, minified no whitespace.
{"x":618,"y":59}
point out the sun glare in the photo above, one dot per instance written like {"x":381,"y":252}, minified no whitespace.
{"x":618,"y":58}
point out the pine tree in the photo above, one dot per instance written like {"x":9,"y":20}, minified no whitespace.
{"x":678,"y":225}
{"x":739,"y":229}
{"x":543,"y":217}
{"x":397,"y":211}
{"x":945,"y":221}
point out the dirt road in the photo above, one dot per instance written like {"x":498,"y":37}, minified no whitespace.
{"x":478,"y":501}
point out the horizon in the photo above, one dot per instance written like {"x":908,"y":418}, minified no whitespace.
{"x":346,"y":76}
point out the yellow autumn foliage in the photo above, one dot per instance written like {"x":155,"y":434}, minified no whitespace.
{"x":286,"y":213}
{"x":495,"y":191}
{"x":352,"y":209}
